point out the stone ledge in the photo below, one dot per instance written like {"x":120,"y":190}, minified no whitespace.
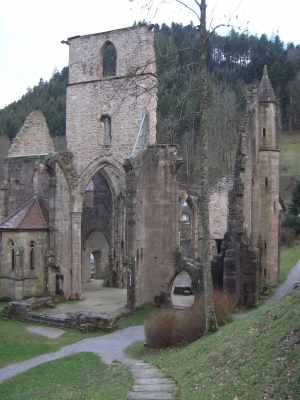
{"x":82,"y":320}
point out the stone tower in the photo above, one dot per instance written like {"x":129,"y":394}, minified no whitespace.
{"x":249,"y":259}
{"x":111,"y":110}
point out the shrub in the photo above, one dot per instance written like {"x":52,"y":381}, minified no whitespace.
{"x":161,"y":329}
{"x":173,"y":327}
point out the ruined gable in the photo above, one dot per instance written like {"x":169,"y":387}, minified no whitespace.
{"x":33,"y":138}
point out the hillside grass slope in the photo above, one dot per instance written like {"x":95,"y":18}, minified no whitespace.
{"x":257,"y":357}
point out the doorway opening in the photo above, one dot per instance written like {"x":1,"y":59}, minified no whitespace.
{"x":182,"y":294}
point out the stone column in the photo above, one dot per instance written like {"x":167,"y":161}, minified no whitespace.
{"x":76,"y":255}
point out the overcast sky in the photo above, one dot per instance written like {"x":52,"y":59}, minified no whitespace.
{"x":31,"y":30}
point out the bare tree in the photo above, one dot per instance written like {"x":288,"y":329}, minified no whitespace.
{"x":194,"y":93}
{"x":211,"y":324}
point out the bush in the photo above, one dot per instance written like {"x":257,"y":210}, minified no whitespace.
{"x":174,"y":327}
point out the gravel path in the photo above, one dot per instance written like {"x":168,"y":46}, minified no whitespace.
{"x":287,"y":286}
{"x":109,"y":348}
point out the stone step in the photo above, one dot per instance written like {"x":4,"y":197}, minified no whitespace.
{"x":150,"y":383}
{"x":154,"y":388}
{"x":150,"y":396}
{"x":147,"y":373}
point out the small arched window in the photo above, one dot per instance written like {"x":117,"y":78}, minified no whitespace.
{"x":31,"y":255}
{"x":109,"y":60}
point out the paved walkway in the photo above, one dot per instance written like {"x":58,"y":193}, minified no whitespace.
{"x":150,"y":383}
{"x":287,"y":286}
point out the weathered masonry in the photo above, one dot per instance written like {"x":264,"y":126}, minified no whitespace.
{"x":249,"y":257}
{"x":114,"y":194}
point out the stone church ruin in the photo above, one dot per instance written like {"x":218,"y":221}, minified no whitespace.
{"x":114,"y":192}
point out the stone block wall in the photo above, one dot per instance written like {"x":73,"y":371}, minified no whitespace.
{"x":153,"y":210}
{"x":249,"y":259}
{"x":33,"y":138}
{"x":122,"y":97}
{"x":21,"y":281}
{"x":26,"y":178}
{"x":218,"y":212}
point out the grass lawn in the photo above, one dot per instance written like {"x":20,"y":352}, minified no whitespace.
{"x":289,"y":158}
{"x":80,"y":376}
{"x":288,"y":259}
{"x":254,"y":358}
{"x":17,"y":345}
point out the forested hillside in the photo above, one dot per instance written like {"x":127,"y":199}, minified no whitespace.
{"x":233,"y":62}
{"x":48,"y":97}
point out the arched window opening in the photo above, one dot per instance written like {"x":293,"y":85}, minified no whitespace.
{"x":109,"y":61}
{"x":31,"y":258}
{"x":182,"y":294}
{"x":106,"y":122}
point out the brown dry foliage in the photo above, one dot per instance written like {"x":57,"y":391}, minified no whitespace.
{"x":173,"y":327}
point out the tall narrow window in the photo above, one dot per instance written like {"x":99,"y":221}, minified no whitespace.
{"x":32,"y":255}
{"x":109,"y":61}
{"x":264,"y":132}
{"x":266,"y":182}
{"x":106,"y":121}
{"x":12,"y":255}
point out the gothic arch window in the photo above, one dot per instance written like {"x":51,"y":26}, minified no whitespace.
{"x":31,"y":255}
{"x":109,"y":60}
{"x":105,"y":120}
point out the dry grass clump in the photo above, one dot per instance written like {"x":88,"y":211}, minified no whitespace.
{"x":173,"y":327}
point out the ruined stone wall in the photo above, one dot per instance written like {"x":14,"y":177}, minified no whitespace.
{"x":218,"y":212}
{"x":249,"y":259}
{"x":153,"y":209}
{"x":33,"y":138}
{"x":123,"y":97}
{"x":59,"y":169}
{"x":26,"y":177}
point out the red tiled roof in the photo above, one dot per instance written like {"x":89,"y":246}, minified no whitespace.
{"x":34,"y":215}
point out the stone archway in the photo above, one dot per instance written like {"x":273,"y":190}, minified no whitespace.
{"x":97,"y":245}
{"x":103,"y":224}
{"x":190,"y":267}
{"x":182,"y":293}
